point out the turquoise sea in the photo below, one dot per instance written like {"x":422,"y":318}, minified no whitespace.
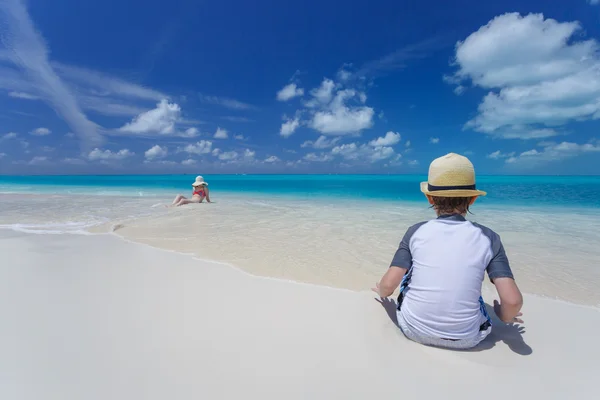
{"x":533,"y":191}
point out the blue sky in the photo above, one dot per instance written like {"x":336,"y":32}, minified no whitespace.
{"x":314,"y":87}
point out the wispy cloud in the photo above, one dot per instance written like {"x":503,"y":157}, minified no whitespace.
{"x":551,"y":152}
{"x":27,"y":50}
{"x":38,"y":160}
{"x":9,"y":135}
{"x":225,"y":102}
{"x":104,"y":85}
{"x":23,"y":95}
{"x":237,"y":119}
{"x":399,"y":58}
{"x":321,"y":143}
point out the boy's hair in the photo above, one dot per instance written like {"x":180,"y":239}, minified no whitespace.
{"x":451,"y":205}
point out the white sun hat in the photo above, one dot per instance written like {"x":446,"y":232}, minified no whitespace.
{"x":199,"y":182}
{"x":451,"y":175}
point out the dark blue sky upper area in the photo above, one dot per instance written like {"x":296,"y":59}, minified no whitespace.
{"x":146,"y":86}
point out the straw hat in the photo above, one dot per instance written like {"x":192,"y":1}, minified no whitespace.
{"x":451,"y":175}
{"x":199,"y":182}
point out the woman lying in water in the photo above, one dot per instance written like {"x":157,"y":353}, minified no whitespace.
{"x":199,"y":194}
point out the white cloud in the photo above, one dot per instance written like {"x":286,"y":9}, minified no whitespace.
{"x":28,"y":52}
{"x":216,"y":152}
{"x":337,"y":118}
{"x":364,"y":152}
{"x":2,"y":155}
{"x":23,"y":95}
{"x":407,"y":144}
{"x":554,"y":152}
{"x":540,"y":72}
{"x":107,"y":155}
{"x":594,"y":2}
{"x":228,"y":156}
{"x":9,"y":135}
{"x":272,"y":159}
{"x":73,"y":161}
{"x":289,"y":92}
{"x":413,"y":163}
{"x":343,"y":74}
{"x":321,"y":143}
{"x":47,"y":149}
{"x":225,"y":102}
{"x":38,"y":160}
{"x":289,"y":127}
{"x":191,"y":132}
{"x":221,"y":134}
{"x":497,"y":155}
{"x":160,"y":120}
{"x":249,"y":153}
{"x":41,"y":132}
{"x":323,"y":94}
{"x":313,"y":157}
{"x":459,"y":90}
{"x":201,"y":147}
{"x":334,"y":108}
{"x":390,"y":139}
{"x":155,"y":152}
{"x":189,"y":161}
{"x":434,"y":140}
{"x":239,"y":137}
{"x":161,"y":162}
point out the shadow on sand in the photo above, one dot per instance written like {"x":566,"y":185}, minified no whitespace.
{"x":510,"y":334}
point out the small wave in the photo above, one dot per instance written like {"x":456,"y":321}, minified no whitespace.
{"x":53,"y":228}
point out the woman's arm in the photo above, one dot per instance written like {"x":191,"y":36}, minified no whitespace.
{"x":207,"y":195}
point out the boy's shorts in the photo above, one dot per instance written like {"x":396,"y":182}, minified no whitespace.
{"x":484,"y":330}
{"x":461,"y":344}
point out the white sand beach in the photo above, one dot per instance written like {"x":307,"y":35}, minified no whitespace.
{"x":96,"y":317}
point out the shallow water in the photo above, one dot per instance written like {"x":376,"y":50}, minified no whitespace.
{"x":330,"y":241}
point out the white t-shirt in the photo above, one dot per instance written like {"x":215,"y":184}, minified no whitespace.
{"x":446,"y":260}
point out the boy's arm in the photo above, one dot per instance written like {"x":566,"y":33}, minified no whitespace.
{"x":500,"y":273}
{"x":401,"y":262}
{"x":390,"y":281}
{"x":511,"y":300}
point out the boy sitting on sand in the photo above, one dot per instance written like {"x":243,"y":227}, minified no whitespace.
{"x":440,"y":266}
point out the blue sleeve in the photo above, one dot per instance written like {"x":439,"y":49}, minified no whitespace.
{"x":403,"y":257}
{"x":499,"y":267}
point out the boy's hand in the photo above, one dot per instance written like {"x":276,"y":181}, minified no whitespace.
{"x":376,"y":289}
{"x":498,"y":311}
